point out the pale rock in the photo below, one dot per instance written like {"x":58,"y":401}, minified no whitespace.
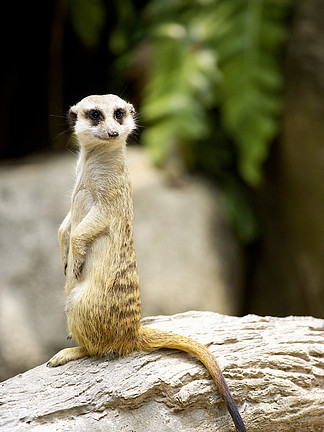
{"x":274,"y":368}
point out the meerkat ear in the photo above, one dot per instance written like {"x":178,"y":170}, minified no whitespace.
{"x":72,"y":116}
{"x":132,"y":110}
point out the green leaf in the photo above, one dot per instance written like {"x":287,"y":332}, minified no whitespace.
{"x":224,"y":54}
{"x":182,"y":82}
{"x":251,"y":102}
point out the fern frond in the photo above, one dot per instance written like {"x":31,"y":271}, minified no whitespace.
{"x":183,"y":73}
{"x":218,"y":53}
{"x":249,"y":56}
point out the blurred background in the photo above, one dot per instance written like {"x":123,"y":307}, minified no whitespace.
{"x":227,"y":162}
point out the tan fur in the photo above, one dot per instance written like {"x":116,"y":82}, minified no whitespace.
{"x":102,"y":287}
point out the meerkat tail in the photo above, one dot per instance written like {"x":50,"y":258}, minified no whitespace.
{"x":152,"y":339}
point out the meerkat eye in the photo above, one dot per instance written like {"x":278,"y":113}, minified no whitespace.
{"x":95,"y":115}
{"x":119,"y":114}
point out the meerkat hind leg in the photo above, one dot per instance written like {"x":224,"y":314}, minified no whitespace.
{"x":66,"y":355}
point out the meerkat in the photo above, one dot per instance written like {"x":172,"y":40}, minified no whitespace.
{"x":103,"y":306}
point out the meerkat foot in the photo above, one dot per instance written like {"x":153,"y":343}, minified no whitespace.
{"x":66,"y":355}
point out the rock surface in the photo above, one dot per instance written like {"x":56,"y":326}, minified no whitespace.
{"x":273,"y":366}
{"x":187,"y":257}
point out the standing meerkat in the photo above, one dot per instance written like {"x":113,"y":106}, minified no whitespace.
{"x":103,"y":304}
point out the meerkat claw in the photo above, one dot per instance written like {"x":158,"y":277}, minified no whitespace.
{"x":77,"y":268}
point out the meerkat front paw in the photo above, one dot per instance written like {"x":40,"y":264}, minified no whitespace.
{"x":66,"y":355}
{"x":78,"y":266}
{"x":79,"y":255}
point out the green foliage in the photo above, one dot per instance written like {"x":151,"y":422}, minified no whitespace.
{"x":213,"y":94}
{"x":122,"y":36}
{"x":216,"y":53}
{"x":88,"y":18}
{"x":249,"y":50}
{"x":182,"y":85}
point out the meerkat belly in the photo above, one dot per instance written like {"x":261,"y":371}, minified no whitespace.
{"x":103,"y":310}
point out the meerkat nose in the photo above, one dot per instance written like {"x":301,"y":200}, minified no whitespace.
{"x":113,"y":134}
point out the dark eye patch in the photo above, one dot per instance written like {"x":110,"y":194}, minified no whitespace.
{"x":95,"y":115}
{"x":119,"y":114}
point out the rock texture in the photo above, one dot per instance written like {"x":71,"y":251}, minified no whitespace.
{"x":273,"y":366}
{"x":187,"y":257}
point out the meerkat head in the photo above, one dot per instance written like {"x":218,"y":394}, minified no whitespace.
{"x":102,"y":119}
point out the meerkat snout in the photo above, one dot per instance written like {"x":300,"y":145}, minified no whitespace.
{"x":113,"y":134}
